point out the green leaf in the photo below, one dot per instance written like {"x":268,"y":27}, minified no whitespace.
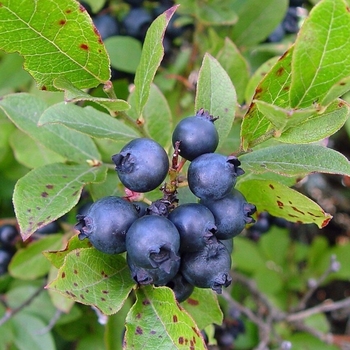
{"x":300,"y":340}
{"x":73,"y":94}
{"x":281,"y":201}
{"x":47,"y":193}
{"x":56,"y":258}
{"x":155,"y":318}
{"x":232,"y":61}
{"x":87,"y":120}
{"x":257,"y":19}
{"x":216,"y":94}
{"x":62,"y":33}
{"x":268,"y":279}
{"x":318,"y":126}
{"x":273,"y":89}
{"x":26,"y":329}
{"x":152,"y":55}
{"x":296,"y":160}
{"x":203,"y":306}
{"x":215,"y":12}
{"x":158,"y":118}
{"x":124,"y":53}
{"x":94,"y":278}
{"x":28,"y":263}
{"x":31,"y":153}
{"x":24,"y":111}
{"x":318,"y":67}
{"x":319,"y":322}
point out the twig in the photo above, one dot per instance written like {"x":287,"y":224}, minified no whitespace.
{"x":51,"y":324}
{"x":11,"y":312}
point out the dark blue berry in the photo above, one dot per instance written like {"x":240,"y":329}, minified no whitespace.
{"x":197,"y":135}
{"x":5,"y":258}
{"x":157,"y":276}
{"x":136,"y":22}
{"x":212,"y":176}
{"x":8,"y":235}
{"x":106,"y":223}
{"x":106,"y":25}
{"x":196,"y":226}
{"x":208,"y":268}
{"x":231,"y":214}
{"x":142,"y":165}
{"x":181,"y":287}
{"x":153,"y":242}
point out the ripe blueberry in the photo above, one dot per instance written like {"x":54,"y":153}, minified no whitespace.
{"x":212,"y":176}
{"x":197,"y":135}
{"x":156,"y":276}
{"x":136,"y":22}
{"x":106,"y":223}
{"x":208,"y":268}
{"x":153,"y":242}
{"x":5,"y":258}
{"x":231,"y":214}
{"x":8,"y":235}
{"x":106,"y":25}
{"x":181,"y":287}
{"x":196,"y":226}
{"x":142,"y":165}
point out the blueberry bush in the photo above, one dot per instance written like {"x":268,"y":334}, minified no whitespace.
{"x":168,"y":170}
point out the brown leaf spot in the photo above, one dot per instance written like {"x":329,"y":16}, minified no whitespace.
{"x":82,"y":296}
{"x":280,"y":71}
{"x":44,"y":194}
{"x":298,"y":211}
{"x":63,"y":275}
{"x":104,"y":274}
{"x":87,"y":291}
{"x":75,"y":284}
{"x":77,"y":253}
{"x":105,"y":291}
{"x":68,"y":11}
{"x":271,"y":186}
{"x":280,"y":204}
{"x":138,"y":316}
{"x":175,"y":318}
{"x":146,"y":302}
{"x":49,"y":187}
{"x":153,"y":332}
{"x":43,"y":88}
{"x":192,"y":302}
{"x":75,"y":193}
{"x":139,"y":330}
{"x":62,"y":22}
{"x":75,"y":272}
{"x":286,"y":88}
{"x":29,"y":210}
{"x":103,"y":299}
{"x":181,"y":340}
{"x":84,"y":47}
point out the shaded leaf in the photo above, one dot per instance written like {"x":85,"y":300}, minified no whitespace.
{"x":152,"y":55}
{"x":28,"y":263}
{"x":282,"y":201}
{"x":203,"y":306}
{"x":45,"y":194}
{"x":24,"y":111}
{"x":215,"y":12}
{"x":216,"y":94}
{"x":62,"y":33}
{"x":296,"y":160}
{"x":257,"y":19}
{"x":94,"y":278}
{"x":87,"y":120}
{"x":73,"y":94}
{"x":157,"y":317}
{"x":318,"y":67}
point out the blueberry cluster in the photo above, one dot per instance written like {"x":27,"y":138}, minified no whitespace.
{"x":9,"y":236}
{"x":167,"y":243}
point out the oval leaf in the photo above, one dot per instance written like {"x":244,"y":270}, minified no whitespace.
{"x":62,"y":33}
{"x":45,"y":194}
{"x":284,"y":202}
{"x":94,"y":278}
{"x":173,"y":327}
{"x":216,"y":94}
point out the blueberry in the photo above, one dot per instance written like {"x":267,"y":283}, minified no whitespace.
{"x":106,"y":25}
{"x":156,"y":276}
{"x":277,"y":35}
{"x":197,"y":135}
{"x":5,"y":258}
{"x":208,"y":268}
{"x":231,"y":214}
{"x":196,"y":226}
{"x":181,"y":287}
{"x":290,"y":22}
{"x":136,"y":22}
{"x":142,"y":165}
{"x":228,"y":243}
{"x":8,"y":235}
{"x":153,"y":242}
{"x":212,"y":176}
{"x":106,"y":223}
